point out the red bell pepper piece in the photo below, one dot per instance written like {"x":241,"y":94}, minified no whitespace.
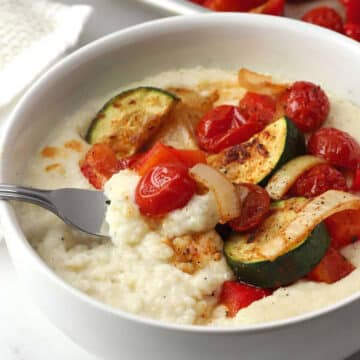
{"x":344,"y":228}
{"x":163,"y":154}
{"x":236,"y":296}
{"x":331,"y":268}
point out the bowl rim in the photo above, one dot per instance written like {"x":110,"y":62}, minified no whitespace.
{"x":12,"y":227}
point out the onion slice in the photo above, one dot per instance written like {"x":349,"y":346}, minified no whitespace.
{"x":286,"y":176}
{"x":312,"y":214}
{"x":260,"y":83}
{"x":225,"y":193}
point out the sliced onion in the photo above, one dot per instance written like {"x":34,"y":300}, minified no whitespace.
{"x":225,"y":193}
{"x":312,"y":214}
{"x":260,"y":83}
{"x":287,"y":175}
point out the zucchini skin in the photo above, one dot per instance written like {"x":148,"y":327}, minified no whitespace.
{"x":294,"y":146}
{"x":92,"y":135}
{"x":287,"y":268}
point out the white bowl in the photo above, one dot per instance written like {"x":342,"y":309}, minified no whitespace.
{"x":270,"y":44}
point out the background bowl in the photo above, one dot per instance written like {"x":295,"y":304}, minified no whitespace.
{"x":283,"y":47}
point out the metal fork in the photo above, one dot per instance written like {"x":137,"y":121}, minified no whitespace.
{"x":82,"y":209}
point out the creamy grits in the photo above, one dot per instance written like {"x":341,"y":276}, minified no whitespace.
{"x":139,"y":271}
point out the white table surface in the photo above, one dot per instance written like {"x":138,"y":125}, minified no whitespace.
{"x":25,"y":334}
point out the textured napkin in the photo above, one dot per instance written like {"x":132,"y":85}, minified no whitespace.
{"x":33,"y":34}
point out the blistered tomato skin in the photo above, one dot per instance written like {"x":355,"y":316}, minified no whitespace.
{"x":224,"y":126}
{"x":306,"y":104}
{"x":318,"y":180}
{"x":326,"y":17}
{"x":254,"y":208}
{"x":336,"y":146}
{"x":257,"y":108}
{"x":352,"y":31}
{"x":164,"y":188}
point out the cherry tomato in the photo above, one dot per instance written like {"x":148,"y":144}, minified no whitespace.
{"x":164,"y":188}
{"x":352,"y":8}
{"x":223,"y":127}
{"x":344,"y":228}
{"x":317,"y":180}
{"x":99,"y":164}
{"x":352,"y":31}
{"x":332,"y":267}
{"x":326,"y":17}
{"x":356,"y":180}
{"x":254,"y":208}
{"x":336,"y":146}
{"x":270,"y":7}
{"x":236,"y":296}
{"x":306,"y":104}
{"x":232,"y":5}
{"x":257,"y":108}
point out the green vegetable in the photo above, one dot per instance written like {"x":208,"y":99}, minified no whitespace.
{"x":256,"y":160}
{"x":243,"y":252}
{"x":130,"y":119}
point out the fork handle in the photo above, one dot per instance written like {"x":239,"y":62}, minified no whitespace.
{"x":27,"y":194}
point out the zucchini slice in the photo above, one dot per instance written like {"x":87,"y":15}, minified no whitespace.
{"x":128,"y":120}
{"x":256,"y":160}
{"x":244,"y":256}
{"x":284,"y":178}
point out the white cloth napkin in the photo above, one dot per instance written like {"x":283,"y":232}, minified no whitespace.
{"x":33,"y":34}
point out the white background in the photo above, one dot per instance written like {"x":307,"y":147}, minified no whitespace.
{"x":25,"y":334}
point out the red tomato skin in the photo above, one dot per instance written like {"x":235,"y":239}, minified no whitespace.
{"x":336,"y":146}
{"x":343,"y":228}
{"x":352,"y":31}
{"x":164,"y":188}
{"x":352,"y":8}
{"x":232,"y":5}
{"x":129,"y":162}
{"x":306,"y":104}
{"x":356,"y":181}
{"x":326,"y":17}
{"x":317,"y":180}
{"x":253,"y":210}
{"x":236,"y":296}
{"x":224,"y":126}
{"x":99,"y":164}
{"x":257,"y":108}
{"x":333,"y":267}
{"x":271,"y":7}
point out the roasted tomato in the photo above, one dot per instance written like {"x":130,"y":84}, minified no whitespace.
{"x":236,"y":296}
{"x":224,"y":126}
{"x":270,"y":7}
{"x":317,"y":180}
{"x":336,"y":146}
{"x":352,"y":9}
{"x":332,"y":267}
{"x":352,"y":30}
{"x":99,"y":164}
{"x":326,"y":17}
{"x":163,"y":154}
{"x":164,"y":188}
{"x":130,"y":161}
{"x":344,"y":228}
{"x":356,"y":181}
{"x":306,"y":104}
{"x":255,"y":206}
{"x":232,"y":5}
{"x":257,"y":108}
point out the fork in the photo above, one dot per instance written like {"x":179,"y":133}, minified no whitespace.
{"x":82,"y":209}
